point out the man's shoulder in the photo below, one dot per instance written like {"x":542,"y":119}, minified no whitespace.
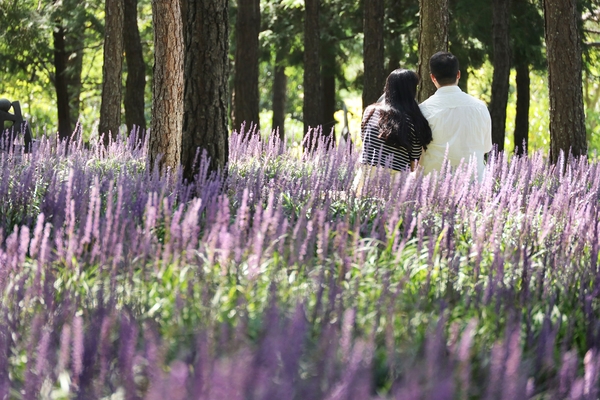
{"x":428,"y":101}
{"x":433,"y":106}
{"x":474,"y":100}
{"x":427,"y":104}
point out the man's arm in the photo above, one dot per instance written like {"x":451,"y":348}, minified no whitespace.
{"x":487,"y":138}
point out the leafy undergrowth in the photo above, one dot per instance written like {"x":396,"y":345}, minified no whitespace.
{"x":286,"y":284}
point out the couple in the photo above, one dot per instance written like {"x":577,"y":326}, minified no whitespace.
{"x":451,"y":125}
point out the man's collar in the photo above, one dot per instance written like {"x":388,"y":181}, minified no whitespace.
{"x":449,"y":89}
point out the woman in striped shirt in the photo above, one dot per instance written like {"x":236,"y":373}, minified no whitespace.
{"x":394,"y":132}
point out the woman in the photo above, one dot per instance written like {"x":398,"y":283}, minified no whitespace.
{"x":394,"y":132}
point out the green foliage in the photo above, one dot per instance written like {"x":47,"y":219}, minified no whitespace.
{"x":27,"y":71}
{"x":26,"y":56}
{"x":470,"y":32}
{"x":591,"y":81}
{"x":401,"y":34}
{"x":527,"y":34}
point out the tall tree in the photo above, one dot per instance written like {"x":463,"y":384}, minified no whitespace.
{"x":313,"y":101}
{"x":76,"y":20}
{"x":373,"y":51}
{"x":167,"y":90}
{"x":68,"y":40}
{"x":279,"y":93}
{"x":282,"y":46}
{"x":470,"y":35}
{"x":567,"y":118}
{"x":328,"y":83}
{"x":206,"y":72}
{"x":135,"y":83}
{"x":110,"y":108}
{"x":500,"y":80}
{"x":246,"y":97}
{"x":61,"y":82}
{"x":337,"y":42}
{"x":433,"y":37}
{"x":75,"y":43}
{"x":286,"y":25}
{"x":527,"y":35}
{"x":521,"y":133}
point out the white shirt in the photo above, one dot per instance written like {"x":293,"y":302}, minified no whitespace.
{"x":460,"y":125}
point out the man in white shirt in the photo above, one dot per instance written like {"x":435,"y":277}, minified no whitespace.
{"x":460,"y":124}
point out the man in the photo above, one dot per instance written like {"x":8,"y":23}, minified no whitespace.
{"x":460,"y":124}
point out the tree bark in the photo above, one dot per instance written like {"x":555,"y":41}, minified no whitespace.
{"x":206,"y":73}
{"x":373,"y":51}
{"x":313,"y":101}
{"x":167,"y":91}
{"x":68,"y":62}
{"x":523,"y":101}
{"x":135,"y":83}
{"x":74,"y":44}
{"x":110,"y":108}
{"x":500,"y":80}
{"x":246,"y":97}
{"x":61,"y":83}
{"x":463,"y":83}
{"x":433,"y":37}
{"x":567,"y":118}
{"x":328,"y":86}
{"x":279,"y":94}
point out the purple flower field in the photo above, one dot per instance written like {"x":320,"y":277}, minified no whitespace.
{"x":277,"y":281}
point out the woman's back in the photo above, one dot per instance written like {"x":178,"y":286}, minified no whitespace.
{"x":381,"y":152}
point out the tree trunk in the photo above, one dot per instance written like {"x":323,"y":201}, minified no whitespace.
{"x":205,"y":85}
{"x":313,"y":102}
{"x":135,"y":83}
{"x":463,"y":83}
{"x":110,"y":108}
{"x":246,"y":97}
{"x":279,"y":94}
{"x":167,"y":90}
{"x":373,"y":51}
{"x":433,"y":37}
{"x":523,"y":101}
{"x":500,"y":80}
{"x":61,"y":83}
{"x":74,"y":44}
{"x":328,"y":86}
{"x":567,"y":118}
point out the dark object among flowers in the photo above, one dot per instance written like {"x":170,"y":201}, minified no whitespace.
{"x":19,"y":125}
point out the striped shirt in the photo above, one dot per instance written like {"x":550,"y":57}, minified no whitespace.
{"x":375,"y":152}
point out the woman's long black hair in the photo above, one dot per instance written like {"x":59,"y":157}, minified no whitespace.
{"x":394,"y":126}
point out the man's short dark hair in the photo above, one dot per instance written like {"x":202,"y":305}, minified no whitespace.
{"x":444,"y":67}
